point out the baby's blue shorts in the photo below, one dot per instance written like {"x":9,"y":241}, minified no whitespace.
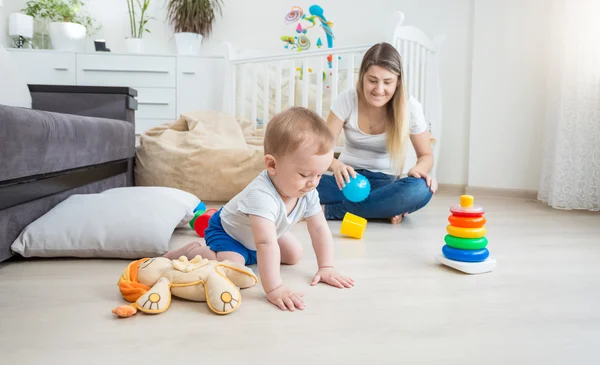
{"x":218,"y":240}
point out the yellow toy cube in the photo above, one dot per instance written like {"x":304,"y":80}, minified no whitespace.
{"x":353,"y":225}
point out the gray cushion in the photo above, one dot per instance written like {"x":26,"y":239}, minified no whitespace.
{"x":38,"y":142}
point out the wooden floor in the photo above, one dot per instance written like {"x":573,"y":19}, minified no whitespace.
{"x":541,"y":305}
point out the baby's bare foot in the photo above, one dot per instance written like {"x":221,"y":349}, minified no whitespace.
{"x":184,"y":251}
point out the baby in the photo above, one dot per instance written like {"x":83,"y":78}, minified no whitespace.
{"x":253,"y":228}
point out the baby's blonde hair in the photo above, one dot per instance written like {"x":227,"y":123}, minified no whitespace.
{"x":297,"y":125}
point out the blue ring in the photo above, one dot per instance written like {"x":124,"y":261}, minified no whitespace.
{"x":200,"y":206}
{"x":465,"y":255}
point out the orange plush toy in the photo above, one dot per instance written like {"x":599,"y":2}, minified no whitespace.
{"x":149,"y":284}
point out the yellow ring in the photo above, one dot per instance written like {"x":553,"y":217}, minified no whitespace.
{"x":466,"y":232}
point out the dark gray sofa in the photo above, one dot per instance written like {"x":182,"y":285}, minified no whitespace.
{"x":74,"y":140}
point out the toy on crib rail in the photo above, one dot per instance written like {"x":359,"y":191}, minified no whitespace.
{"x":358,"y":189}
{"x":466,"y":245}
{"x":353,"y":225}
{"x":149,"y":284}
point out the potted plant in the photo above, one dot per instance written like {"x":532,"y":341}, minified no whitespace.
{"x":68,"y":24}
{"x":192,"y":20}
{"x":137,"y":25}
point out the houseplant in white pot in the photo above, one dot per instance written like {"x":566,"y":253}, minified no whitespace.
{"x":135,"y":43}
{"x":68,"y":24}
{"x":192,"y":20}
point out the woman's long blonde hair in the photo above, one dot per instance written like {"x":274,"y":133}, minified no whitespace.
{"x":385,"y":55}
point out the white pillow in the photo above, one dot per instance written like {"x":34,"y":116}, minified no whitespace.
{"x":128,"y":223}
{"x":177,"y":194}
{"x":13,"y":88}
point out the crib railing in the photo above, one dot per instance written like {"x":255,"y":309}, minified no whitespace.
{"x":420,"y":65}
{"x":259,"y":87}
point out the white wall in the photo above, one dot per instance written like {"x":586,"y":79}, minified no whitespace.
{"x":490,"y":69}
{"x":508,"y":93}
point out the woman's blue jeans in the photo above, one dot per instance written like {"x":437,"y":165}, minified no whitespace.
{"x":389,"y":196}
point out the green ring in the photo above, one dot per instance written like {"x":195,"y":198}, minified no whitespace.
{"x":466,"y":243}
{"x":196,"y":215}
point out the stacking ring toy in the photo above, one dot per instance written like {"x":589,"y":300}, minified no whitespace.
{"x":466,"y":208}
{"x":466,"y":243}
{"x":467,"y":222}
{"x":466,"y":232}
{"x":465,"y":255}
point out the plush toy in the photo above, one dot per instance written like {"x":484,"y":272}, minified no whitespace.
{"x":149,"y":283}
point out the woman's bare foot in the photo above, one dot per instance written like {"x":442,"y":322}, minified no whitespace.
{"x":398,"y":218}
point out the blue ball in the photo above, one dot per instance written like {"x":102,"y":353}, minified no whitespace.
{"x":358,"y":189}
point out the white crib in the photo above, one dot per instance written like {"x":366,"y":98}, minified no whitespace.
{"x":257,"y":87}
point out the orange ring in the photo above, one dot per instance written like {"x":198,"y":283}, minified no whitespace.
{"x":467,"y":222}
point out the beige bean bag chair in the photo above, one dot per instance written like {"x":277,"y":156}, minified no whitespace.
{"x":207,"y":153}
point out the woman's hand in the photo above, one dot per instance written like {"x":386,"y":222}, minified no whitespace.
{"x":415,"y":172}
{"x":342,"y":173}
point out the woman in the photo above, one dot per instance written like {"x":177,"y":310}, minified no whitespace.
{"x":378,"y":118}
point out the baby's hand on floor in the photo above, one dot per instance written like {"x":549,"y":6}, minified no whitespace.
{"x":330,"y":276}
{"x":286,"y":299}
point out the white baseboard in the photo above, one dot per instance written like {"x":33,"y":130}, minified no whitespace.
{"x":502,"y":193}
{"x":458,"y":189}
{"x":451,"y":189}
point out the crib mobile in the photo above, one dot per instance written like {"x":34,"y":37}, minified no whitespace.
{"x":301,"y":42}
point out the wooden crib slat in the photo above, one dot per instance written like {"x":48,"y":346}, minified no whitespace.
{"x":305,"y":78}
{"x":335,"y":76}
{"x":278,"y":87}
{"x":291,"y":85}
{"x":404,"y":57}
{"x":423,"y":73}
{"x":243,"y":90}
{"x":418,"y":71}
{"x":254,"y":111}
{"x":320,"y":86}
{"x":350,"y":76}
{"x":266,"y":92}
{"x":412,"y":68}
{"x":425,"y":65}
{"x":233,"y":90}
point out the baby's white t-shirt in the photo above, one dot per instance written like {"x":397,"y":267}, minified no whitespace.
{"x":262,"y":199}
{"x":368,"y":151}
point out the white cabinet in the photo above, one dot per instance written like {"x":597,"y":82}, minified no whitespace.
{"x":119,"y":70}
{"x":167,"y":85}
{"x":199,"y":84}
{"x":156,"y":103}
{"x":46,"y":67}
